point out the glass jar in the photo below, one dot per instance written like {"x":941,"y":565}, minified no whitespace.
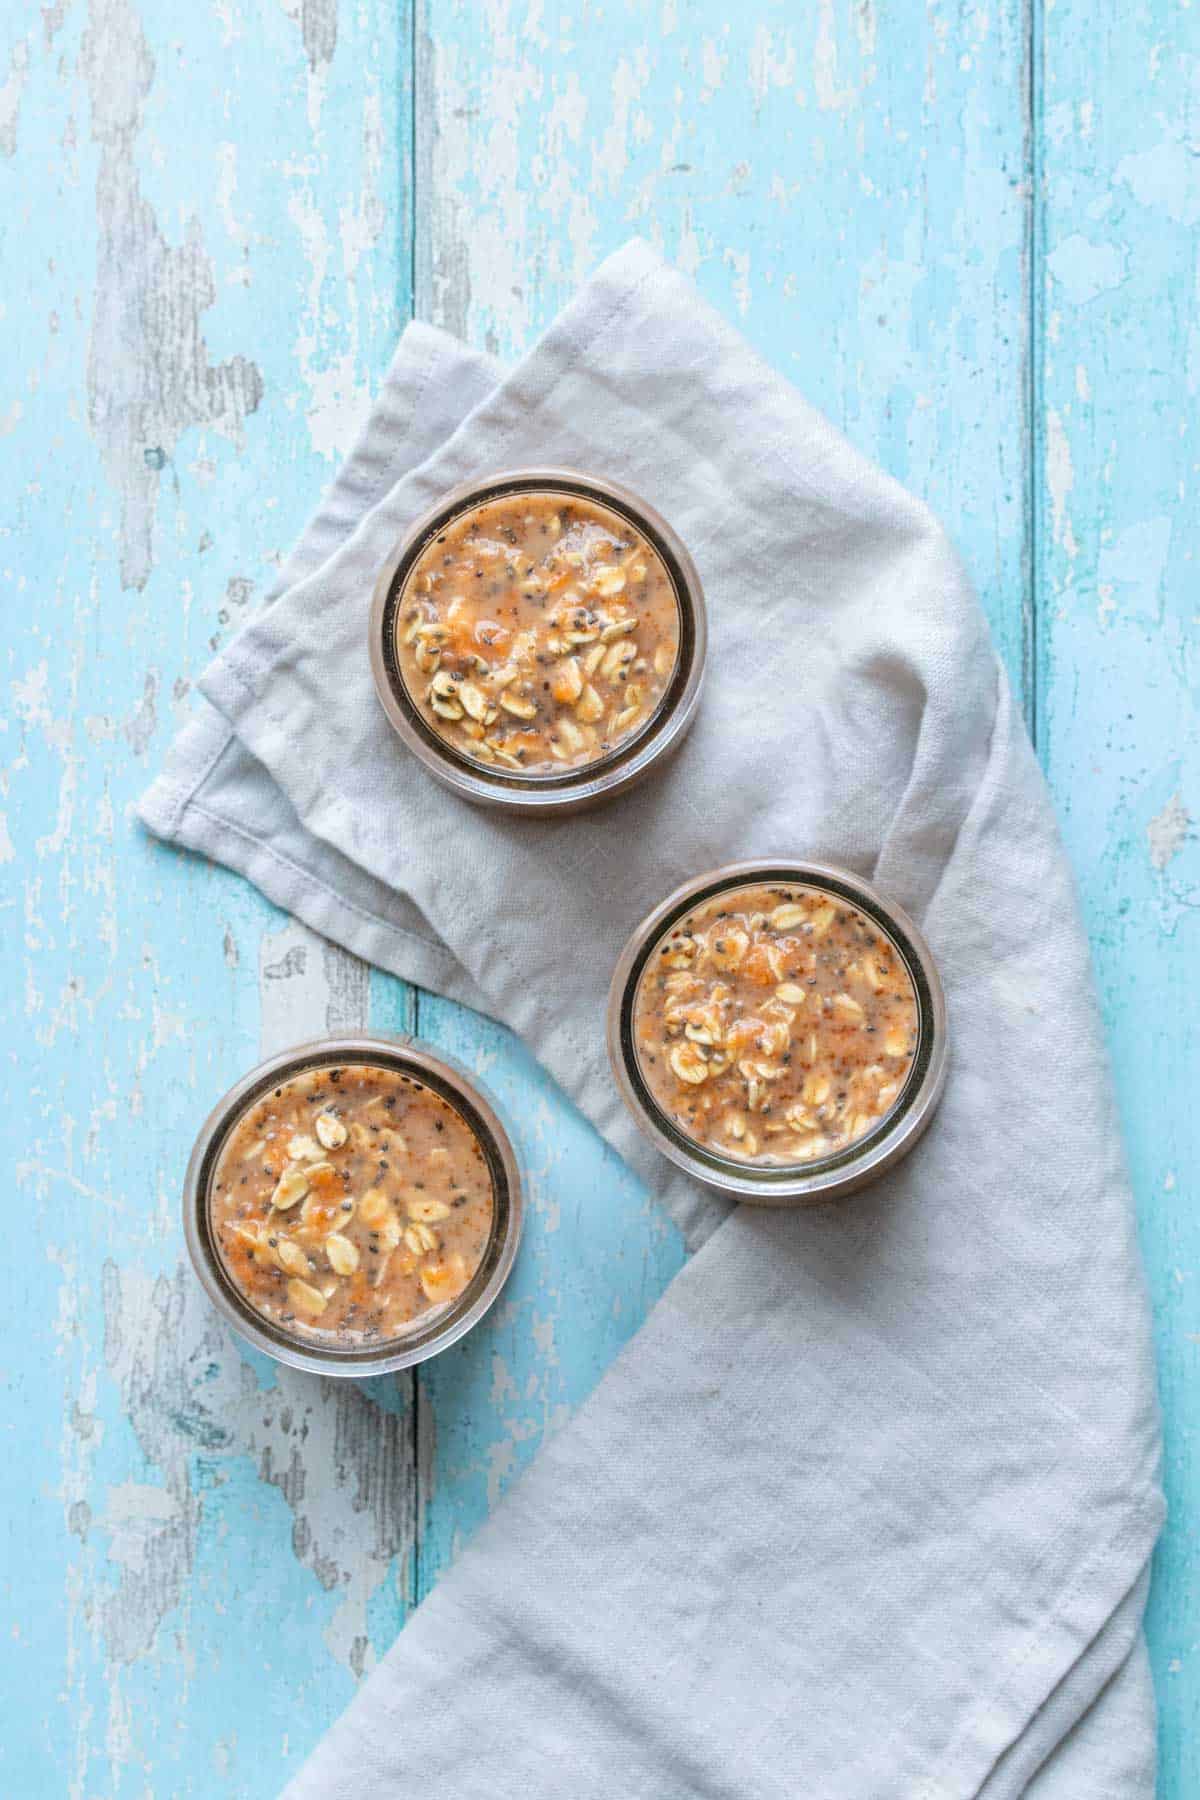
{"x":846,"y":1167}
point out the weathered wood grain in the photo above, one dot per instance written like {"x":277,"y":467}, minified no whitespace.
{"x":206,"y":250}
{"x":850,"y":192}
{"x":968,"y":234}
{"x":845,"y":181}
{"x":1118,"y":375}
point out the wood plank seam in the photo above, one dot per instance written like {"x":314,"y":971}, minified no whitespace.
{"x":1034,"y":329}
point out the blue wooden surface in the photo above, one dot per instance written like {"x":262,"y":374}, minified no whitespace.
{"x":970,"y":235}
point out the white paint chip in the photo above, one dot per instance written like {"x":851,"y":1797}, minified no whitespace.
{"x":830,"y":97}
{"x":1167,"y":832}
{"x":1060,"y":479}
{"x":774,"y":65}
{"x":11,"y":95}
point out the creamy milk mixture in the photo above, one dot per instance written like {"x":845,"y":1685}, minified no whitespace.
{"x":775,"y":1024}
{"x":537,"y":632}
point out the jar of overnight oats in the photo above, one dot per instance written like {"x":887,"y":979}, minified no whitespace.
{"x":353,"y":1206}
{"x":778,"y":1030}
{"x":538,"y":641}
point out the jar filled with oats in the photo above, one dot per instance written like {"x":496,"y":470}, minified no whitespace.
{"x":779,"y":1030}
{"x":538,"y":640}
{"x":354,"y":1205}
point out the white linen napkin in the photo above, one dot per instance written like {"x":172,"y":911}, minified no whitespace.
{"x":865,"y":1509}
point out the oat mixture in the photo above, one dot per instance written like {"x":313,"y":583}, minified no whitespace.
{"x":775,"y":1025}
{"x":537,"y":632}
{"x":349,"y":1202}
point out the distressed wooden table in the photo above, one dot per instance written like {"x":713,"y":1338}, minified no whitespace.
{"x":970,"y":234}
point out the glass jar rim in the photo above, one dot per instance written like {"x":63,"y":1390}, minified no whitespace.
{"x":461,"y":1090}
{"x":628,"y":762}
{"x":844,"y":1170}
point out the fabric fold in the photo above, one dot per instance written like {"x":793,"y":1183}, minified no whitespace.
{"x":865,"y":1508}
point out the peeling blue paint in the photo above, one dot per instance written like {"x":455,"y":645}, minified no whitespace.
{"x":994,"y":300}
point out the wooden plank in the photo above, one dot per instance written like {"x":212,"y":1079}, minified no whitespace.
{"x":205,"y":242}
{"x":848,"y":188}
{"x":1118,"y":370}
{"x":846,"y":182}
